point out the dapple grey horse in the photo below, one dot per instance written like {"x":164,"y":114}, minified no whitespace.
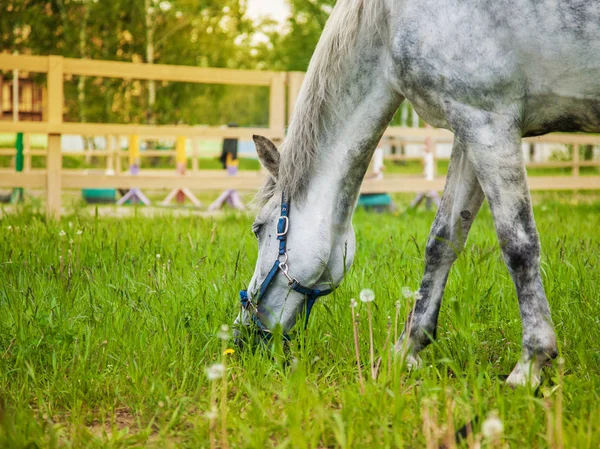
{"x":489,"y":71}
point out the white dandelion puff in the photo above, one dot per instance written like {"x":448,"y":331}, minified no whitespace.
{"x":212,"y":414}
{"x":367,"y":295}
{"x":79,"y":232}
{"x":492,"y":427}
{"x":215,"y":371}
{"x":418,"y":296}
{"x":62,"y":233}
{"x":353,"y":303}
{"x":223,"y":333}
{"x":157,"y":256}
{"x":406,"y":292}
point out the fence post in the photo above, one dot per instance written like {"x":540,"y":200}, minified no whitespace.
{"x":18,"y":192}
{"x":295,"y":80}
{"x":27,"y":152}
{"x":575,"y":159}
{"x":55,"y":117}
{"x":277,"y":106}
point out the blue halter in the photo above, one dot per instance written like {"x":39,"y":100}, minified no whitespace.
{"x":280,"y":265}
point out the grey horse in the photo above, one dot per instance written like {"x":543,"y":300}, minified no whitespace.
{"x":492,"y":72}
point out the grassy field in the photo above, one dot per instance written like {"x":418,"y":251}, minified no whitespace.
{"x":107,"y":327}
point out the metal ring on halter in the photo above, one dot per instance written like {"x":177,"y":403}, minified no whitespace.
{"x":284,"y":269}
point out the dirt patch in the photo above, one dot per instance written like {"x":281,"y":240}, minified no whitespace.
{"x":122,"y":419}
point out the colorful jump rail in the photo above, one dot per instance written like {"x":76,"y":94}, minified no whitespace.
{"x":284,"y":89}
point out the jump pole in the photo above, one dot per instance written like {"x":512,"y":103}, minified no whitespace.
{"x":182,"y":193}
{"x":18,"y":192}
{"x":134,"y":195}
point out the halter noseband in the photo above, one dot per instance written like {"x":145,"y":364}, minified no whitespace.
{"x":281,"y":264}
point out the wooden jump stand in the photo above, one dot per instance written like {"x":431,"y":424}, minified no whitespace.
{"x":229,"y":196}
{"x":18,"y":193}
{"x":181,"y":194}
{"x":134,"y":195}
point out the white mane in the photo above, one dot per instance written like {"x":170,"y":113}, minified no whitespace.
{"x":336,"y":48}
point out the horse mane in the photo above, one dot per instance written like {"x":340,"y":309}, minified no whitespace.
{"x":336,"y":47}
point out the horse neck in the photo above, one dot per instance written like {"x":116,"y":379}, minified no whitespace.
{"x":360,"y":113}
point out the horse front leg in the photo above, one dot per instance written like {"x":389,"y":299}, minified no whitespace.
{"x":500,"y":169}
{"x":460,"y":203}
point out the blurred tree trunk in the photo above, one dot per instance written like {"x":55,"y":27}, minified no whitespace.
{"x":149,"y":8}
{"x":83,"y":53}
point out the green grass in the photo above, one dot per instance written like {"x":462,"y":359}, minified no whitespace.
{"x":110,"y":350}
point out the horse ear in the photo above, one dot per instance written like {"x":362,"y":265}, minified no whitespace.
{"x":268,"y":154}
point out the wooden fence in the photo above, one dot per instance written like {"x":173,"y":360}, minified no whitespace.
{"x":284,"y":88}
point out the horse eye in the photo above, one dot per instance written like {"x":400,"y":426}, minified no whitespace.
{"x":256,"y":229}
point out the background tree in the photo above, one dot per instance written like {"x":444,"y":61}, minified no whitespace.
{"x":204,"y":33}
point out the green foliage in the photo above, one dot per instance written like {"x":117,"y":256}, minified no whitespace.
{"x":107,"y":348}
{"x":206,"y":33}
{"x":292,"y":50}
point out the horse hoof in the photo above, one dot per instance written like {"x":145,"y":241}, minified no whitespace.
{"x":524,"y":374}
{"x":413,"y":362}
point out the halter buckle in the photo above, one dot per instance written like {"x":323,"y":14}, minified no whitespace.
{"x":286,"y":225}
{"x":284,"y":269}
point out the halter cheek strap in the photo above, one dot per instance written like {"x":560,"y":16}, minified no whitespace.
{"x":281,"y":264}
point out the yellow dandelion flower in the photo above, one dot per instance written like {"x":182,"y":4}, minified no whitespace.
{"x":229,"y":351}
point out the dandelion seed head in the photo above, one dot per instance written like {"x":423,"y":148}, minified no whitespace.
{"x":212,"y":413}
{"x":406,"y":292}
{"x":367,"y":295}
{"x":79,"y":232}
{"x":492,"y":427}
{"x":353,"y":303}
{"x":62,"y":233}
{"x":398,"y":304}
{"x":418,"y":296}
{"x":215,"y":371}
{"x":158,"y":256}
{"x":223,"y":333}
